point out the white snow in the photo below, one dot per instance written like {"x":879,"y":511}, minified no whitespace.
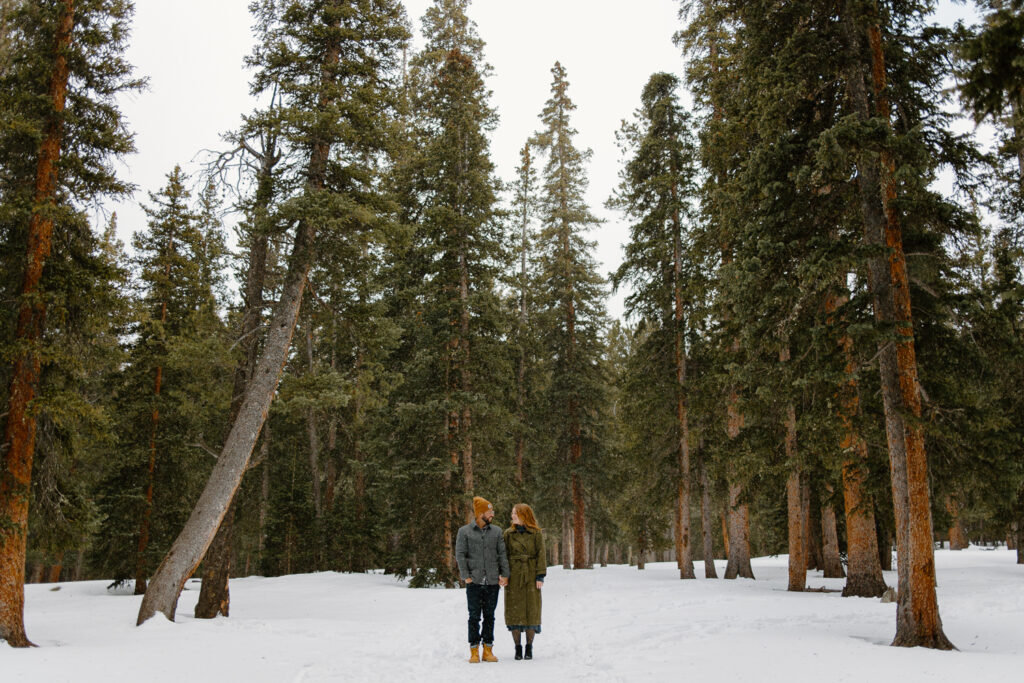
{"x":608,"y":624}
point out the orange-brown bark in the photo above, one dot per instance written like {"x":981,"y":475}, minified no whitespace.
{"x":20,"y":428}
{"x":864,"y":571}
{"x":705,"y":519}
{"x":739,"y":536}
{"x":957,"y":535}
{"x":917,"y":622}
{"x":833,"y":564}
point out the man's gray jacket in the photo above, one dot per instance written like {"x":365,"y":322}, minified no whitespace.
{"x":481,"y":554}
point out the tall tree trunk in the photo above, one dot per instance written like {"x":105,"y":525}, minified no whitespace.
{"x":264,"y":495}
{"x":917,"y":622}
{"x":147,"y":512}
{"x":313,"y":432}
{"x":567,"y":541}
{"x":455,"y":512}
{"x":864,"y":573}
{"x":797,"y":536}
{"x":739,"y":536}
{"x":683,"y":544}
{"x":706,"y":523}
{"x":725,"y":529}
{"x":812,"y":527}
{"x":884,"y":547}
{"x":833,"y":568}
{"x":465,"y":379}
{"x":214,"y":595}
{"x":190,"y":546}
{"x":20,"y":428}
{"x":359,"y":560}
{"x":738,"y":516}
{"x":794,"y":499}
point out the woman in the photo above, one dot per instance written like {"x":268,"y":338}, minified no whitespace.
{"x":524,"y":542}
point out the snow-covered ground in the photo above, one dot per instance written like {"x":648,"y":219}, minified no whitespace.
{"x":610,"y":624}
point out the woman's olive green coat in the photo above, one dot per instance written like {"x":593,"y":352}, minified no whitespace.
{"x":527,"y":560}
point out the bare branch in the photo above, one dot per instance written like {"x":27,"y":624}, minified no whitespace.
{"x":203,"y":447}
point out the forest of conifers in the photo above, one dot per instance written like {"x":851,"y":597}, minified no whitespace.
{"x":822,"y":353}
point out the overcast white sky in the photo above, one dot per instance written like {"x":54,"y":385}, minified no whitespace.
{"x":192,"y":52}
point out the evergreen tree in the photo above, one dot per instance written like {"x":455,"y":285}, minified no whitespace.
{"x":457,"y":370}
{"x":59,"y":133}
{"x":570,"y":302}
{"x":77,"y":431}
{"x":168,"y":404}
{"x":526,"y":335}
{"x":659,"y":182}
{"x":333,"y":63}
{"x":797,"y":226}
{"x":992,"y":88}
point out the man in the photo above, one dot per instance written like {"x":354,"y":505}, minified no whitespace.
{"x":483,"y":565}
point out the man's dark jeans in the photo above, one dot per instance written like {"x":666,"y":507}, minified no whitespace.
{"x":481,"y":599}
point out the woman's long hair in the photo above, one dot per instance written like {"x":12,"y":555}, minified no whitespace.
{"x":525,"y":514}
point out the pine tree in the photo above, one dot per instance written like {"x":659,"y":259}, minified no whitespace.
{"x":77,"y":425}
{"x":992,"y":88}
{"x":526,"y":335}
{"x":570,"y":302}
{"x":918,"y":622}
{"x":171,"y":392}
{"x":659,"y":182}
{"x":454,"y":337}
{"x":57,"y":145}
{"x":333,"y":62}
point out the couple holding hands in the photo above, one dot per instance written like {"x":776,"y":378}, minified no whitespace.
{"x":490,"y":559}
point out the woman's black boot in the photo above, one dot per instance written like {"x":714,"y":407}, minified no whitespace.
{"x":529,"y":651}
{"x":519,"y":651}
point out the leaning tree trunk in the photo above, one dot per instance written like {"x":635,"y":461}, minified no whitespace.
{"x":214,"y":595}
{"x":202,"y":524}
{"x":20,"y":428}
{"x":917,"y":620}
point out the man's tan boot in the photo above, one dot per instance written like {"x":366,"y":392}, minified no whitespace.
{"x":474,"y":655}
{"x":488,"y":655}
